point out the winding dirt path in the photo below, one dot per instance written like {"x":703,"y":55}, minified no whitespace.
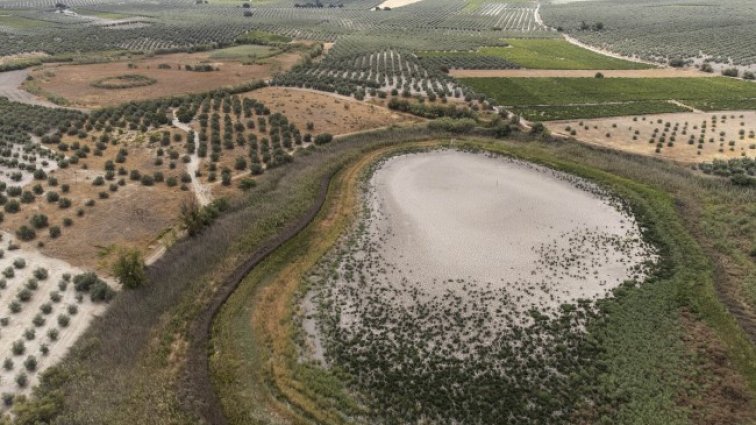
{"x":202,"y":192}
{"x":10,"y":87}
{"x":579,"y":43}
{"x":605,"y":52}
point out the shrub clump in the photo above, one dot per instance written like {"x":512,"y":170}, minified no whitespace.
{"x":129,"y":269}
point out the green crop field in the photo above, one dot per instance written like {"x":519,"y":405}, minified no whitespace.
{"x":532,"y":53}
{"x":563,"y":98}
{"x":261,"y":37}
{"x":16,"y":22}
{"x":556,"y":54}
{"x":103,"y":14}
{"x":243,"y":52}
{"x":546,"y":53}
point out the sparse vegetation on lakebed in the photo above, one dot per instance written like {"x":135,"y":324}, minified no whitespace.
{"x":460,"y":313}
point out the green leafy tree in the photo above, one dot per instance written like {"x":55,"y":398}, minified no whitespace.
{"x":129,"y":269}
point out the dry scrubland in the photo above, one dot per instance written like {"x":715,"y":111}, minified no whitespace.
{"x":329,"y":113}
{"x":685,"y":137}
{"x":127,"y":215}
{"x":74,"y":83}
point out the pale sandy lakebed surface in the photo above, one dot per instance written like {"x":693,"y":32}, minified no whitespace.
{"x":454,"y":215}
{"x":450,"y":238}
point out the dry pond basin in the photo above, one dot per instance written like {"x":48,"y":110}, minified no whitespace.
{"x":462,"y":270}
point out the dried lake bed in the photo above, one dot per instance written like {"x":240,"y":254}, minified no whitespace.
{"x":462,"y":269}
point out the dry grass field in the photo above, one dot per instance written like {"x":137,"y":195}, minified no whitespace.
{"x":328,"y":112}
{"x":75,"y":82}
{"x":109,"y":215}
{"x":683,"y":137}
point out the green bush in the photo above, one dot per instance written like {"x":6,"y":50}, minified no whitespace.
{"x":25,"y":233}
{"x":100,"y":291}
{"x":39,"y":221}
{"x":18,"y":347}
{"x":452,"y":125}
{"x":129,"y":269}
{"x":323,"y":138}
{"x":83,"y":282}
{"x":55,"y":232}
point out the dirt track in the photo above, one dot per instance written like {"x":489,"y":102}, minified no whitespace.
{"x":10,"y":87}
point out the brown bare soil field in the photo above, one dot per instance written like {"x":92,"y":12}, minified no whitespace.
{"x":133,"y":216}
{"x":580,"y":73}
{"x":695,"y":136}
{"x":329,"y":113}
{"x":74,"y":82}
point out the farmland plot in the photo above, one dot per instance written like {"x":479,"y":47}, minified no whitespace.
{"x":78,"y":83}
{"x":47,"y":305}
{"x":686,"y":137}
{"x":567,"y":98}
{"x":386,"y":71}
{"x":551,"y":54}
